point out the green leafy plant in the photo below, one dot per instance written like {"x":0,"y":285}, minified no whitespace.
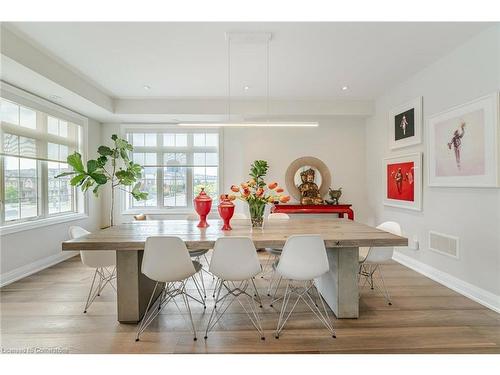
{"x":123,"y":173}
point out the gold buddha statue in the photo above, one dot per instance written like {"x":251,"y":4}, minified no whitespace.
{"x":309,"y":191}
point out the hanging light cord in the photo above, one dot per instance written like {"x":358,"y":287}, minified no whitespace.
{"x":229,"y":79}
{"x":268,"y":85}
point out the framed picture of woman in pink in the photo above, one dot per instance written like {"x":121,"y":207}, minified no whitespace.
{"x":403,"y":181}
{"x":463,"y":145}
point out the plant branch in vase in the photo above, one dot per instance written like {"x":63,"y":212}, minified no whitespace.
{"x":257,"y":193}
{"x":114,"y":166}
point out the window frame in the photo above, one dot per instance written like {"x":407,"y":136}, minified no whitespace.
{"x":44,"y":109}
{"x":160,"y":129}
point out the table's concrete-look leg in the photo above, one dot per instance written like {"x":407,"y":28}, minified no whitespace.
{"x":133,"y":288}
{"x":339,"y":286}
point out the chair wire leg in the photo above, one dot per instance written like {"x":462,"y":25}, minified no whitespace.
{"x":256,"y":293}
{"x":383,"y":288}
{"x":274,"y":299}
{"x":203,"y":284}
{"x":89,"y":302}
{"x":142,"y":325}
{"x":282,"y":320}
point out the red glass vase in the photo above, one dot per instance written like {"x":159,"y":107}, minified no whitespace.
{"x":202,"y":206}
{"x":226,"y":211}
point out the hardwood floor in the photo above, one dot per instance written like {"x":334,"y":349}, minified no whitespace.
{"x":45,"y":311}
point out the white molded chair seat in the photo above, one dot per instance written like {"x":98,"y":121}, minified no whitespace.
{"x":363,"y":253}
{"x":100,"y":260}
{"x":235,"y":263}
{"x":235,"y":259}
{"x":302,"y":260}
{"x":167,"y":260}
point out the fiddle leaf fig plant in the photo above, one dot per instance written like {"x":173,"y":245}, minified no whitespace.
{"x":122,"y":173}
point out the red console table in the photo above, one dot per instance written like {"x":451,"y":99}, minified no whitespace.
{"x":339,"y":209}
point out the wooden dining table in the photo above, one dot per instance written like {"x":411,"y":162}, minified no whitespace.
{"x":339,"y":286}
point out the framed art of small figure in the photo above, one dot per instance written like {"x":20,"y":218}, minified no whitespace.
{"x":406,"y":124}
{"x":464,"y":145}
{"x":403,"y":181}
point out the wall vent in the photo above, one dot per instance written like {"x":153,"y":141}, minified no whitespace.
{"x":444,"y":244}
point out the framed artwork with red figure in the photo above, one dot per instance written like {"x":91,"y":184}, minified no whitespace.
{"x":403,"y":181}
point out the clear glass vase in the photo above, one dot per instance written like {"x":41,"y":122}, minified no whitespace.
{"x":256,"y":209}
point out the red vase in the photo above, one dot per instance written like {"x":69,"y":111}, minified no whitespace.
{"x":202,"y":206}
{"x":226,"y":211}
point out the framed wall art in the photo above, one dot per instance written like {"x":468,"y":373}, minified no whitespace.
{"x":464,"y":145}
{"x":406,"y":124}
{"x":403,"y":181}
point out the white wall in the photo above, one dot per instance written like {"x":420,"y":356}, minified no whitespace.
{"x":30,"y":250}
{"x":471,"y":214}
{"x":339,"y":141}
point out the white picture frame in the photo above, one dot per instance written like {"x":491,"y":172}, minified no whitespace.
{"x":477,"y":163}
{"x":416,"y":181}
{"x":397,"y":137}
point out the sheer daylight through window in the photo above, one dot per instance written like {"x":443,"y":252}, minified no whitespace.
{"x":177,"y":165}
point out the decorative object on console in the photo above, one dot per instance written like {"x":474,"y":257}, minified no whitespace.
{"x":140,"y":217}
{"x":96,"y":175}
{"x":464,"y":145}
{"x":403,"y":181}
{"x":406,"y":124}
{"x":226,"y":210}
{"x":257,"y":194}
{"x":202,"y":206}
{"x":334,"y":195}
{"x":314,"y":191}
{"x":309,"y":191}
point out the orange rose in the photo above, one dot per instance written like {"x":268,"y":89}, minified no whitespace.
{"x":232,"y":197}
{"x":246,"y":192}
{"x":244,"y":185}
{"x":259,"y":192}
{"x":251,"y":182}
{"x":279,"y":190}
{"x":284,"y":199}
{"x":272,"y":185}
{"x":235,"y":188}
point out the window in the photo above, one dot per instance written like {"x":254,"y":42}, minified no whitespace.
{"x":33,"y":149}
{"x":177,"y":164}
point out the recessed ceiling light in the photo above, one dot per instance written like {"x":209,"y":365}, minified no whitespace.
{"x":246,"y":88}
{"x":344,"y":88}
{"x":147,"y":87}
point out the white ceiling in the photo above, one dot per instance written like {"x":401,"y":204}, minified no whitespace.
{"x":307,"y":60}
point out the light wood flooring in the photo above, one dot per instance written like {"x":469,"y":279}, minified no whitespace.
{"x":45,"y":311}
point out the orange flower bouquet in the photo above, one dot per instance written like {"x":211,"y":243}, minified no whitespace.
{"x":257,"y":193}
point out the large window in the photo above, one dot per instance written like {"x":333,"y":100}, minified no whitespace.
{"x":33,"y":149}
{"x":177,"y":164}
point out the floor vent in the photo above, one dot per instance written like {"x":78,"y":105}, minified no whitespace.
{"x":444,"y":244}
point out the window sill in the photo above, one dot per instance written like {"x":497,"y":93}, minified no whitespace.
{"x":28,"y":225}
{"x":172,"y":211}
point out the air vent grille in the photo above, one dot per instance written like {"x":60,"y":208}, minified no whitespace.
{"x":444,"y":244}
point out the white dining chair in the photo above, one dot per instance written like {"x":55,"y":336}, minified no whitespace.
{"x":166,"y":260}
{"x":104,"y":263}
{"x":302,"y":260}
{"x":235,"y":263}
{"x":273,"y":255}
{"x":372,"y":258}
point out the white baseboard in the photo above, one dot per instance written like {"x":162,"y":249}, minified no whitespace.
{"x":29,"y":269}
{"x":473,"y":292}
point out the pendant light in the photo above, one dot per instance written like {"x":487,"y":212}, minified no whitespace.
{"x":246,"y":37}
